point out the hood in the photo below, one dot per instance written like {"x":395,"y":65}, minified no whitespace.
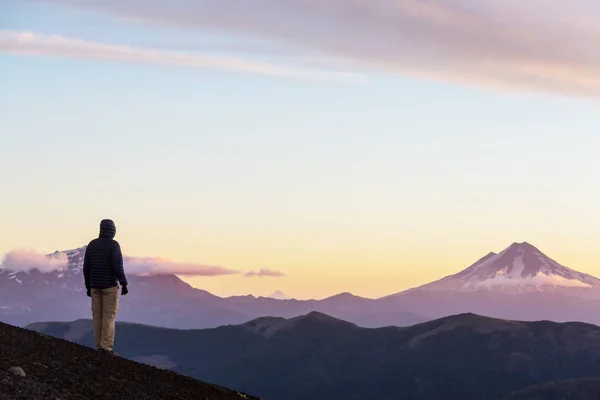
{"x":108,"y":228}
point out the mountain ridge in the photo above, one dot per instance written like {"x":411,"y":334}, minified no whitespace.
{"x":324,"y":358}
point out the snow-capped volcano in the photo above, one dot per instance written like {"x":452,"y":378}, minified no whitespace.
{"x":66,"y":272}
{"x":519,"y":268}
{"x":51,"y":287}
{"x":279,"y":295}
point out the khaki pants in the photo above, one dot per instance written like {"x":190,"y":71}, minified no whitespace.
{"x":105,"y":303}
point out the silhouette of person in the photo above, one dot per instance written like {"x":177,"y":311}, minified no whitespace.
{"x":103,"y":272}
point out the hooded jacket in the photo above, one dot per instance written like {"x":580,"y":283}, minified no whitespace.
{"x":103,"y":260}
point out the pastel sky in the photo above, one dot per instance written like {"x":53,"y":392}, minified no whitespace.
{"x":308,"y":146}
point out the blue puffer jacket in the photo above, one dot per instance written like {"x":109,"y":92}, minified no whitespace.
{"x":103,"y":262}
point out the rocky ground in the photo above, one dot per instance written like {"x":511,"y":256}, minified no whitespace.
{"x":571,"y":389}
{"x":35,"y":366}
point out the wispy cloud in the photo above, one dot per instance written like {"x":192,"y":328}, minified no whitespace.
{"x":156,"y":266}
{"x":543,"y":45}
{"x":264,"y":273}
{"x":28,"y":260}
{"x":33,"y":44}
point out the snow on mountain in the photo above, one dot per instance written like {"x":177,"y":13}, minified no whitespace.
{"x":519,"y":268}
{"x":69,"y":278}
{"x":279,"y":295}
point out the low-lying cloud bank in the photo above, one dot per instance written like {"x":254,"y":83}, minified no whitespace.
{"x":33,"y":44}
{"x":28,"y":260}
{"x":540,"y":45}
{"x":540,"y":279}
{"x":264,"y":273}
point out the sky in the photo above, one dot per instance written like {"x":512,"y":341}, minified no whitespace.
{"x":313,"y":147}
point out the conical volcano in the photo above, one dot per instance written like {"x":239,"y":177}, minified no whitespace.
{"x":519,"y":268}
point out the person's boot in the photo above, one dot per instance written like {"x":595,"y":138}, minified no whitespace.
{"x":106,"y":351}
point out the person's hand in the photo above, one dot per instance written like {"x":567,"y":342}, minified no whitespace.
{"x":89,"y":292}
{"x":124,"y":290}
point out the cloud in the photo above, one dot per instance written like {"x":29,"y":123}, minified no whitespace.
{"x":27,"y":260}
{"x":538,"y":280}
{"x":264,"y":273}
{"x":540,"y":45}
{"x":33,"y":44}
{"x":157,"y":266}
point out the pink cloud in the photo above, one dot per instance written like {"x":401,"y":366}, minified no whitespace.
{"x":27,"y":260}
{"x":539,"y":45}
{"x":34,"y":44}
{"x":156,"y":266}
{"x":264,"y":273}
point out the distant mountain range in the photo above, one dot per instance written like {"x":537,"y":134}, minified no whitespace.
{"x":167,"y":301}
{"x":519,"y":283}
{"x":318,"y":357}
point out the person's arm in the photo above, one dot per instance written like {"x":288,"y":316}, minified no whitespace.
{"x":86,"y":269}
{"x":117,"y":264}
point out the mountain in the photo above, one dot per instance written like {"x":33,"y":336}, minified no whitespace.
{"x":167,"y":301}
{"x":518,"y":283}
{"x":162,"y":300}
{"x":365,"y":312}
{"x":520,"y":268}
{"x":316,"y":356}
{"x":524,"y":306}
{"x":279,"y":295}
{"x":56,"y":369}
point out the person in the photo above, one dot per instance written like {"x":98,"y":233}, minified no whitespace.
{"x":103,"y":272}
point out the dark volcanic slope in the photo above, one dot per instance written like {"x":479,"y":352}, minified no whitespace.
{"x":570,"y":389}
{"x":58,"y":369}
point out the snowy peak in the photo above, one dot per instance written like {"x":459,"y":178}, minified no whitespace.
{"x":527,"y":260}
{"x":521,"y":267}
{"x":519,"y":260}
{"x":62,"y":272}
{"x":279,"y":295}
{"x":66,"y":275}
{"x":75,"y":258}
